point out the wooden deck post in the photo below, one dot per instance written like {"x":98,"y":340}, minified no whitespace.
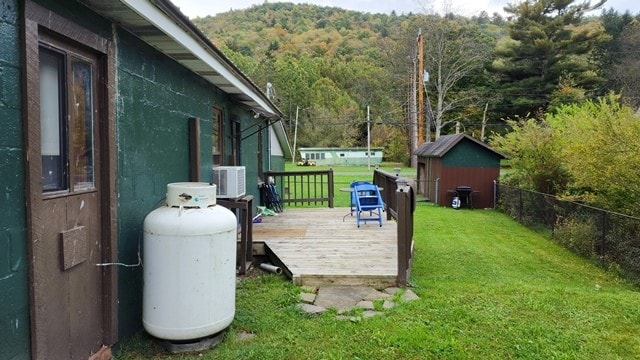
{"x":405,"y":208}
{"x":243,"y":208}
{"x":330,"y":185}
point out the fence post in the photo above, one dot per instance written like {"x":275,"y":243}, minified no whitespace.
{"x":520,"y":205}
{"x":603,"y":235}
{"x":495,"y":193}
{"x":402,"y":233}
{"x":437,"y":190}
{"x":404,"y":196}
{"x":331,"y":194}
{"x":389,"y":190}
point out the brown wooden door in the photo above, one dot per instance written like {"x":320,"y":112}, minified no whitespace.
{"x":66,"y":195}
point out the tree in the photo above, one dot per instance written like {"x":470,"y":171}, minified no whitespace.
{"x":394,"y":140}
{"x":548,"y":40}
{"x":585,"y":152}
{"x":332,"y":120}
{"x":533,"y":151}
{"x":453,"y":51}
{"x":609,"y":54}
{"x":600,"y":142}
{"x":565,"y":93}
{"x":627,"y":71}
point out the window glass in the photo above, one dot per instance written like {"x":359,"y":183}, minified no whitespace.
{"x":67,"y":98}
{"x":52,"y":131}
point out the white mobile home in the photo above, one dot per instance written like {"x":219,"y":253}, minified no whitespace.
{"x":342,"y":156}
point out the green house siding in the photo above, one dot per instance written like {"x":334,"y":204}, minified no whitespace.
{"x":468,"y":154}
{"x":252,"y":139}
{"x":14,"y":290}
{"x":156,"y":98}
{"x":249,"y":159}
{"x":277,"y":163}
{"x":79,"y":14}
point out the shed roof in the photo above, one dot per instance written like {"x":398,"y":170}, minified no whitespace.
{"x":440,"y":147}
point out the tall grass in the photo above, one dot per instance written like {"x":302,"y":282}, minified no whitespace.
{"x":489,"y":289}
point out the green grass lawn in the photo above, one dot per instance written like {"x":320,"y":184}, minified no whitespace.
{"x":344,"y":175}
{"x":489,"y":289}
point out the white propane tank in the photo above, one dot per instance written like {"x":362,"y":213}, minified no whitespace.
{"x":189,"y":265}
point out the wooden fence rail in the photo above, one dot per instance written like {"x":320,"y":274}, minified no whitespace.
{"x":312,"y":188}
{"x":400,"y":200}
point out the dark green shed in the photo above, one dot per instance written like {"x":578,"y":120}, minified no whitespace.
{"x":455,"y":161}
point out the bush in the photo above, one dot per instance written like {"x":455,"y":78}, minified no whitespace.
{"x":577,"y":235}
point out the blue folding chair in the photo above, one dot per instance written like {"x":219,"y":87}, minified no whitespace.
{"x":368,"y":199}
{"x":353,"y":196}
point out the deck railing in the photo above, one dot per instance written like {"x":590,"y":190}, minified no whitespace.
{"x":300,"y":188}
{"x":399,"y":198}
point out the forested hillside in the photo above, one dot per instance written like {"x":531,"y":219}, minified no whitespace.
{"x":327,"y":65}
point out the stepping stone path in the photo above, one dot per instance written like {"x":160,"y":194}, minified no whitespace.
{"x":345,"y":298}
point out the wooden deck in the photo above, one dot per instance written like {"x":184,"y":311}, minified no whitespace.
{"x":322,"y":246}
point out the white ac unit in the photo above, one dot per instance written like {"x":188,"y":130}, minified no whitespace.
{"x":230,"y":181}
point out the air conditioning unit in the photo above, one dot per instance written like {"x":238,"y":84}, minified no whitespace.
{"x":230,"y":181}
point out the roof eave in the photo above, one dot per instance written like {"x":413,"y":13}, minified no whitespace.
{"x":160,"y":24}
{"x":281,"y":134}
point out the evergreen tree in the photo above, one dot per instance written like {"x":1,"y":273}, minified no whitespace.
{"x":610,"y":54}
{"x":627,"y":71}
{"x":548,"y":42}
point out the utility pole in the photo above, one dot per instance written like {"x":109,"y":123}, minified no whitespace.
{"x":420,"y":116}
{"x":427,"y":113}
{"x":295,"y":137}
{"x":484,"y":121}
{"x":368,"y":140}
{"x":413,"y":121}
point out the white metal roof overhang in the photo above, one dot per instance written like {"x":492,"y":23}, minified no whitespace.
{"x":161,"y":24}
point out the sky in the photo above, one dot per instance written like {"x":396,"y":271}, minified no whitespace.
{"x":195,"y":8}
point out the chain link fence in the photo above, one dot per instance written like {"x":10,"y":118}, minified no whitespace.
{"x":611,"y":238}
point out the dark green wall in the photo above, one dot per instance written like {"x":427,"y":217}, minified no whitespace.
{"x":79,"y":14}
{"x":249,"y":151}
{"x":277,"y":163}
{"x":469,"y":154}
{"x":156,"y":97}
{"x":14,"y":291}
